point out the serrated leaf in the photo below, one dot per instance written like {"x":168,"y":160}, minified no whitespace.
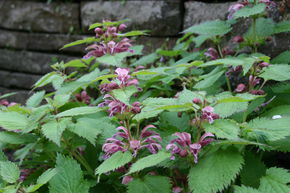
{"x":245,"y":189}
{"x":124,"y":94}
{"x":9,"y":171}
{"x":224,"y":129}
{"x":53,"y":130}
{"x":78,"y":42}
{"x":252,"y":171}
{"x":215,"y":172}
{"x":90,"y":76}
{"x":278,"y":110}
{"x":149,"y":161}
{"x":209,"y":80}
{"x":283,"y":58}
{"x":144,"y":60}
{"x":87,"y":128}
{"x":227,"y":109}
{"x":70,"y":87}
{"x":108,"y":23}
{"x":113,"y":60}
{"x":60,"y":99}
{"x":133,"y":33}
{"x":43,"y":179}
{"x":268,"y":129}
{"x":150,"y":184}
{"x":250,"y":11}
{"x":16,"y":138}
{"x":276,"y":180}
{"x":79,"y":111}
{"x":283,"y":26}
{"x":35,"y":99}
{"x":46,"y":79}
{"x":75,"y":63}
{"x":276,"y":72}
{"x":69,"y":177}
{"x":114,"y":162}
{"x":210,"y":28}
{"x":13,"y":121}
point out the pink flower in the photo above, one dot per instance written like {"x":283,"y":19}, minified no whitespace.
{"x":238,"y":39}
{"x":122,"y":141}
{"x":127,"y":179}
{"x":177,"y":189}
{"x":83,"y":97}
{"x":240,"y":88}
{"x":264,"y":64}
{"x":257,"y":92}
{"x":196,"y":101}
{"x":253,"y":80}
{"x":115,"y":106}
{"x":212,"y":54}
{"x":233,"y":9}
{"x":7,"y":103}
{"x":122,"y":27}
{"x":207,"y":114}
{"x":182,"y":145}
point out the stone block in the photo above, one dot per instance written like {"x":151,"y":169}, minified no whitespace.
{"x":17,"y":80}
{"x":162,"y":18}
{"x":199,"y":12}
{"x":30,"y":62}
{"x":39,"y":16}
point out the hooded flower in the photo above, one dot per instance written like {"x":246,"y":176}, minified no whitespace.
{"x":122,"y":141}
{"x":207,"y":114}
{"x":233,"y":9}
{"x":83,"y":97}
{"x":182,"y":145}
{"x":115,"y":106}
{"x":212,"y":54}
{"x":123,"y":80}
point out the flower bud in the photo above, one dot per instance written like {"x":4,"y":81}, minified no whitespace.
{"x":99,"y":31}
{"x":136,"y":104}
{"x":196,"y":101}
{"x":179,"y":114}
{"x":264,"y":64}
{"x":127,"y":179}
{"x":269,"y":39}
{"x":238,"y":39}
{"x":122,"y":27}
{"x":183,"y":153}
{"x":240,"y":88}
{"x":257,"y":92}
{"x":136,"y":110}
{"x":112,"y":30}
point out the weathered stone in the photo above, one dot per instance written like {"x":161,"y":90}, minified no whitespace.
{"x":31,"y":62}
{"x":198,"y":12}
{"x":160,"y":17}
{"x":17,"y":80}
{"x":39,"y":41}
{"x":279,"y":44}
{"x":19,"y":97}
{"x":39,"y":17}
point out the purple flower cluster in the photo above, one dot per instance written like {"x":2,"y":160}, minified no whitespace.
{"x":115,"y":106}
{"x":123,"y":80}
{"x":208,"y":114}
{"x":213,"y":54}
{"x":109,"y":42}
{"x":7,"y":103}
{"x":123,"y":141}
{"x":83,"y":97}
{"x":182,"y":145}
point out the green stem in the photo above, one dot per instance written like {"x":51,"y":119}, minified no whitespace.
{"x":228,"y":83}
{"x":255,"y":36}
{"x":84,"y":163}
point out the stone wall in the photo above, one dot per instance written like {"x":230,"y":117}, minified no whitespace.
{"x":32,"y":31}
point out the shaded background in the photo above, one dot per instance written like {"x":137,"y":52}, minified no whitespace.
{"x":32,"y":31}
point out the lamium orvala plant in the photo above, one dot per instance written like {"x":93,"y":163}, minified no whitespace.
{"x":209,"y":115}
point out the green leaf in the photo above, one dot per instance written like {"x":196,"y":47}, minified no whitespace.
{"x":224,"y":129}
{"x":276,"y":180}
{"x":150,"y":184}
{"x":283,"y":58}
{"x":244,"y":189}
{"x":209,"y":80}
{"x":283,"y":26}
{"x":114,"y":162}
{"x":149,"y":59}
{"x":69,"y":177}
{"x":60,"y":99}
{"x":276,"y":72}
{"x":113,"y":60}
{"x":252,"y":171}
{"x":268,"y":129}
{"x":88,"y":129}
{"x":43,"y":179}
{"x":9,"y":171}
{"x":250,"y":11}
{"x":79,"y":111}
{"x":124,"y":94}
{"x":35,"y":99}
{"x":46,"y":79}
{"x":149,"y":161}
{"x":53,"y":130}
{"x":108,"y":23}
{"x":215,"y":172}
{"x":133,"y":33}
{"x":75,"y":64}
{"x":278,"y":110}
{"x":13,"y":121}
{"x":264,"y":27}
{"x":70,"y":87}
{"x":90,"y":76}
{"x":15,"y":138}
{"x":210,"y":28}
{"x":78,"y":42}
